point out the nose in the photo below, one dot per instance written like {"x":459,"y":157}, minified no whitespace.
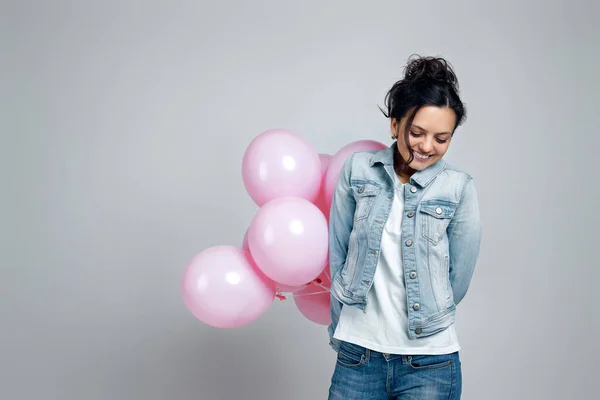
{"x":426,"y":145}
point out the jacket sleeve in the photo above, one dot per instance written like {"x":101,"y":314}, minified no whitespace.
{"x":464,"y":237}
{"x":341,"y":219}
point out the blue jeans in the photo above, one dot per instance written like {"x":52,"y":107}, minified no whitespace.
{"x":362,"y":374}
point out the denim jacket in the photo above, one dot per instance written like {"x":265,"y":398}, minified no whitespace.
{"x":441,"y":236}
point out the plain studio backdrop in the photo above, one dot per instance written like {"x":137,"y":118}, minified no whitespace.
{"x":123,"y":128}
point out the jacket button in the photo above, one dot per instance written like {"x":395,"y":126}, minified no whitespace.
{"x":438,"y":210}
{"x":412,"y":275}
{"x":416,"y":307}
{"x":361,"y":189}
{"x":418,"y":331}
{"x":409,"y":242}
{"x":413,"y":189}
{"x":411,"y":214}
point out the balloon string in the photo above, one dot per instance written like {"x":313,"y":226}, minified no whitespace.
{"x":320,"y":285}
{"x":311,"y":294}
{"x":316,"y":282}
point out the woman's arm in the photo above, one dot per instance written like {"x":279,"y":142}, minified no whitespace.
{"x":341,"y":219}
{"x":464,"y":236}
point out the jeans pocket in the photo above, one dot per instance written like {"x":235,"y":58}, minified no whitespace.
{"x":350,"y":356}
{"x":421,"y":362}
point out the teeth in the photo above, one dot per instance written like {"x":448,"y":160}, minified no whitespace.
{"x":422,"y":156}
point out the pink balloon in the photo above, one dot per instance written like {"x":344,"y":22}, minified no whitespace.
{"x":279,"y":286}
{"x":288,"y":239}
{"x":288,"y":289}
{"x":320,"y":201}
{"x":245,"y":241}
{"x":223,"y":288}
{"x":337,"y":162}
{"x":325,"y":161}
{"x":314,"y":301}
{"x":321,"y":204}
{"x":321,"y":279}
{"x":281,"y":163}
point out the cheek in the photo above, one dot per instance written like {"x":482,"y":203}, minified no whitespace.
{"x":441,"y":149}
{"x":412,"y":141}
{"x":401,"y":144}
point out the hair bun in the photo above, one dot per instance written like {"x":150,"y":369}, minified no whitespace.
{"x":430,"y":68}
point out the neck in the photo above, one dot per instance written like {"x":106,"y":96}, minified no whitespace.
{"x":402,"y":169}
{"x":403,"y":178}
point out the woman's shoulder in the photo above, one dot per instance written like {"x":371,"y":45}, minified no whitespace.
{"x":453,"y":172}
{"x":455,"y":180}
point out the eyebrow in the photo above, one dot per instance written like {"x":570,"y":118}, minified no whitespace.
{"x":425,"y":130}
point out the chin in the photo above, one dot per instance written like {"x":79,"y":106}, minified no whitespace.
{"x":419,"y":165}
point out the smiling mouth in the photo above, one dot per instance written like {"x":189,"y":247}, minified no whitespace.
{"x":421,"y":156}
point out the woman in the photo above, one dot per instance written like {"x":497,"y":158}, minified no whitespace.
{"x":404,"y":239}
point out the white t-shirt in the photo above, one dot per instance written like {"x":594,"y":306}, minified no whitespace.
{"x":383,"y":325}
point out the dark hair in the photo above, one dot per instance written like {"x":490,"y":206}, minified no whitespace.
{"x":428,"y":81}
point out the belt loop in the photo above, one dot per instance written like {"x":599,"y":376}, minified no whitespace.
{"x":367,"y":355}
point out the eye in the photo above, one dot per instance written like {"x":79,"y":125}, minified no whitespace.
{"x":441,"y":140}
{"x":414,"y":134}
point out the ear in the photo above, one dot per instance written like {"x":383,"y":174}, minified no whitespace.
{"x":394,"y":127}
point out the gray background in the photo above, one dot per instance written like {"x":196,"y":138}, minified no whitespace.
{"x":123,"y":127}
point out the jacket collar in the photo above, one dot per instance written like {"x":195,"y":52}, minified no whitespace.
{"x":423,"y":177}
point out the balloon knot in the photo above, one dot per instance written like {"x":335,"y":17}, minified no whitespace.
{"x":280,"y":296}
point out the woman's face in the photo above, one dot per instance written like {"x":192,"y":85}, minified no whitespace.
{"x":429,"y":136}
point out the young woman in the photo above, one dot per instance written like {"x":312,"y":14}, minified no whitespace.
{"x":404,"y":239}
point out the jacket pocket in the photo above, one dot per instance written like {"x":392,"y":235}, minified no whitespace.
{"x":435,"y":218}
{"x":364,"y":195}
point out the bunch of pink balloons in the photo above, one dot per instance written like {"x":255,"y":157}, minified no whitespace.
{"x":285,"y":247}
